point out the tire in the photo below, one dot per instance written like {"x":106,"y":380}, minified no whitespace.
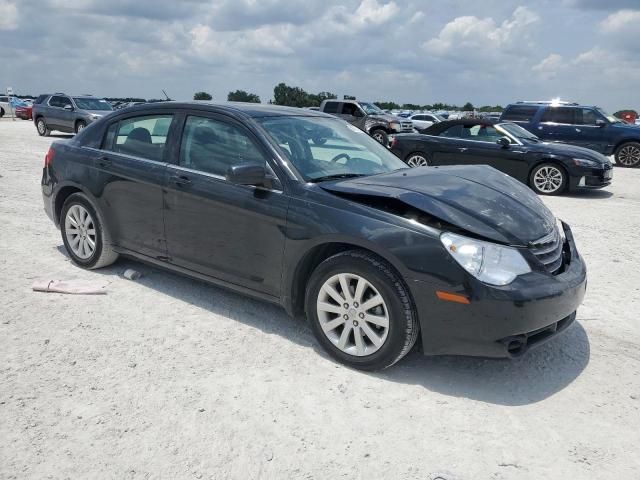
{"x":42,"y":128}
{"x":392,"y":342}
{"x":628,"y":155}
{"x":548,"y":179}
{"x":418,"y":159}
{"x":102,"y":253}
{"x":380,"y":136}
{"x":1,"y":112}
{"x":80,"y":124}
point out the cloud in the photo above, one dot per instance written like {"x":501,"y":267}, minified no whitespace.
{"x":623,"y":22}
{"x":8,"y":15}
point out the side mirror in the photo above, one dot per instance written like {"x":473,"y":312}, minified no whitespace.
{"x":68,"y":108}
{"x":504,"y":142}
{"x":249,"y":174}
{"x":600,"y":123}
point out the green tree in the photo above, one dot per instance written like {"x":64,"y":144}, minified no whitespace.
{"x":242,"y":96}
{"x":202,"y":96}
{"x":387,"y":105}
{"x":468,"y":107}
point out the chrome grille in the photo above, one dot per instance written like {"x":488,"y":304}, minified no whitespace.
{"x":406,"y":126}
{"x":548,"y":250}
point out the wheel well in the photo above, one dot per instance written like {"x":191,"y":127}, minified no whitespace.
{"x":78,"y":120}
{"x":378,"y":127}
{"x":308,"y":264}
{"x":622,"y":142}
{"x":61,"y":197}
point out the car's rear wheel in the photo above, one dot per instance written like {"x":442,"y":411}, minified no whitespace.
{"x":360,"y":310}
{"x":80,"y":124}
{"x":628,"y":155}
{"x":84,"y":234}
{"x":1,"y":112}
{"x":380,"y":136}
{"x":418,"y":159}
{"x":42,"y":128}
{"x":548,"y":179}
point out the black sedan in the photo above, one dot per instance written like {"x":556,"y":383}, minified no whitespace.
{"x":373,"y":253}
{"x":548,"y":168}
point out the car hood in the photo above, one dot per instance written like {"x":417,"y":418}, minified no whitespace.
{"x":477,"y":198}
{"x":389,"y":118}
{"x":572,"y":151}
{"x":99,"y":113}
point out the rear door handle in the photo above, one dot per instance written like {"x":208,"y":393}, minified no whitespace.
{"x":104,"y":162}
{"x":180,"y":180}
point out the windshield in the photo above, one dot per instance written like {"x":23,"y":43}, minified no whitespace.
{"x":517,"y":131}
{"x":325,"y":148}
{"x":92,"y":104}
{"x":609,"y":117}
{"x":371,"y":109}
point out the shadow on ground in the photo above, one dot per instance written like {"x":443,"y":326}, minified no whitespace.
{"x":590,"y":194}
{"x":538,"y":375}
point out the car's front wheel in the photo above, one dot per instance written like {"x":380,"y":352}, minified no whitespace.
{"x":548,"y":179}
{"x":84,"y":234}
{"x":380,"y":136}
{"x":628,"y":155}
{"x":360,"y":310}
{"x":80,"y":124}
{"x":418,"y":159}
{"x":42,"y":128}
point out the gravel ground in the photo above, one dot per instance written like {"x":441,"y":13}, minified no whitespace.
{"x":167,"y":377}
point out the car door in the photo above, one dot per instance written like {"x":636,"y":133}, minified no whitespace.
{"x":133,"y":161}
{"x":353,"y":114}
{"x":558,"y":124}
{"x":59,"y":117}
{"x":235,"y":233}
{"x":591,"y":134}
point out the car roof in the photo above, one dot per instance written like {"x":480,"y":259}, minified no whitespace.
{"x":254,"y":110}
{"x":438,"y":128}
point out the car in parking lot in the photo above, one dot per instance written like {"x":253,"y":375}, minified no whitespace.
{"x":67,"y":113}
{"x":373,"y":253}
{"x":422,"y":121}
{"x":548,"y":168}
{"x":580,"y":125}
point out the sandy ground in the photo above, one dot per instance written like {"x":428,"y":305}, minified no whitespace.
{"x":167,"y":377}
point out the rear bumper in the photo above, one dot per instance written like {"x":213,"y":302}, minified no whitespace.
{"x":501,"y":321}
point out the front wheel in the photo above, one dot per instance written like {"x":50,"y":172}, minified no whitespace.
{"x":84,"y":235}
{"x":360,"y":310}
{"x":548,"y":179}
{"x":418,"y":159}
{"x":80,"y":124}
{"x":42,"y":128}
{"x":628,"y":155}
{"x":381,"y":137}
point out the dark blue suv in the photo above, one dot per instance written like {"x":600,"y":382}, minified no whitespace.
{"x":579,"y":125}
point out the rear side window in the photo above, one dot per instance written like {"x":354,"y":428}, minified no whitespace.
{"x":331,"y":107}
{"x":213,"y":146}
{"x":565,"y":115}
{"x":519,"y":113}
{"x":144,"y":137}
{"x":40,"y":99}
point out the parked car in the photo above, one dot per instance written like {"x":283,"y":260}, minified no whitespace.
{"x":581,"y":125}
{"x":548,"y":168}
{"x":24,"y":111}
{"x":368,"y":118}
{"x":372,"y":252}
{"x":424,"y":120}
{"x":67,"y":113}
{"x":5,"y":108}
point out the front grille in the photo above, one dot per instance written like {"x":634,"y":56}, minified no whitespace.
{"x":407,"y":126}
{"x":548,"y":250}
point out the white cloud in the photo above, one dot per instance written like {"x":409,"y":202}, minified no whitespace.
{"x":622,"y":22}
{"x":8,"y":15}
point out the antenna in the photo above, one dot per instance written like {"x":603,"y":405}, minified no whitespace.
{"x":165,"y":94}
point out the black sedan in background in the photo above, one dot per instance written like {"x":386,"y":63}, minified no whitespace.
{"x":304,"y":210}
{"x":548,"y":168}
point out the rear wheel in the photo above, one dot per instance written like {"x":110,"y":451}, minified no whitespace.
{"x":1,"y":112}
{"x":84,"y":234}
{"x":41,"y":125}
{"x":548,"y":179}
{"x":80,"y":124}
{"x":380,"y":136}
{"x":628,"y":155}
{"x":418,"y":159}
{"x":360,"y":310}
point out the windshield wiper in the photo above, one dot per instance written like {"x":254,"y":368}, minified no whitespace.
{"x":337,"y":176}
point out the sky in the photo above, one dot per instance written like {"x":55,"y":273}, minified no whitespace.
{"x":416,"y":51}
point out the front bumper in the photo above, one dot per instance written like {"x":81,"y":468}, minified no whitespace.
{"x":593,"y":178}
{"x":501,"y":321}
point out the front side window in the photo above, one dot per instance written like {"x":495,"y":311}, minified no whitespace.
{"x":213,"y":146}
{"x":349,"y":109}
{"x":564,"y":115}
{"x":586,"y":116}
{"x":324,"y":148}
{"x":144,"y":137}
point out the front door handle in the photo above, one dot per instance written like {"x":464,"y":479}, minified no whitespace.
{"x":180,"y":180}
{"x":462,"y":149}
{"x":104,"y":162}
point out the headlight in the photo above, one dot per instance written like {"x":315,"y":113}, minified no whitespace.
{"x":561,"y":230}
{"x":395,"y":126}
{"x":488,"y":262}
{"x":583,"y":162}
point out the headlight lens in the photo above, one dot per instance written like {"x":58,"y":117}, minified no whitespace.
{"x":488,"y":262}
{"x":583,"y":162}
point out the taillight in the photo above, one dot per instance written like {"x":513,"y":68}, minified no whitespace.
{"x":48,"y":158}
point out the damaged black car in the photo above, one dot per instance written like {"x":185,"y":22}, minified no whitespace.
{"x":304,"y":210}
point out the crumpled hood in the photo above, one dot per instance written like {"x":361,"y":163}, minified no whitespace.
{"x":572,"y":151}
{"x":476,"y":198}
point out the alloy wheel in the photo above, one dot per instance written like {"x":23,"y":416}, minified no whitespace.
{"x":378,"y":137}
{"x":80,"y":231}
{"x":42,"y":128}
{"x":548,"y":179}
{"x":417,"y":161}
{"x":353,"y":314}
{"x":629,"y":155}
